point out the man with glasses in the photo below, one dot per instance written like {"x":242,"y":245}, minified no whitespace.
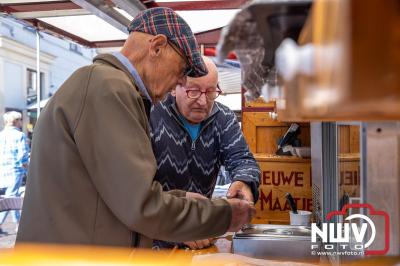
{"x":193,"y":136}
{"x":92,"y":169}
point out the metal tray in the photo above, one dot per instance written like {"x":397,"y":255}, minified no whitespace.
{"x":270,"y":230}
{"x":268,"y":241}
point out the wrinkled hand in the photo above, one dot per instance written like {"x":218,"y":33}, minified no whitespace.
{"x":242,"y":213}
{"x":195,"y":195}
{"x":199,"y":244}
{"x":240,"y":190}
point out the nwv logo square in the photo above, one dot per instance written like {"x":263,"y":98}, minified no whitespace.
{"x":342,"y":233}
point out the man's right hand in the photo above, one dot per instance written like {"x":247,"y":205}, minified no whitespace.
{"x":199,"y":244}
{"x":242,"y":213}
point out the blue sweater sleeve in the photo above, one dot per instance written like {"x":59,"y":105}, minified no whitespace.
{"x":236,"y":156}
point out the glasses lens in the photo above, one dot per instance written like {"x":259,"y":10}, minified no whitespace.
{"x":212,"y":95}
{"x":193,"y":94}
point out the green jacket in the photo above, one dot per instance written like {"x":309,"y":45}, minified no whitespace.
{"x":91,"y":173}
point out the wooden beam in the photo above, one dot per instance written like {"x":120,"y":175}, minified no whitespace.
{"x":48,"y":28}
{"x":204,"y":5}
{"x":106,"y":44}
{"x":39,"y":6}
{"x":208,"y":38}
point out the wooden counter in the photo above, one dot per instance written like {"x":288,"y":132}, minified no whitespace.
{"x":263,"y":157}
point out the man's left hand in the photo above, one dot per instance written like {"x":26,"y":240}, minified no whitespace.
{"x":241,"y":190}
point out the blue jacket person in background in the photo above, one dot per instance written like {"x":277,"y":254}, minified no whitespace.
{"x":14,"y":159}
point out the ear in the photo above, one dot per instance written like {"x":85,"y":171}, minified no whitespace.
{"x":173,"y":92}
{"x":157,"y":44}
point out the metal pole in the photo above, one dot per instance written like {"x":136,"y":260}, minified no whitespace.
{"x":38,"y":72}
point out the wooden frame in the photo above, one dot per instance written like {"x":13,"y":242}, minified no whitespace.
{"x":262,"y":133}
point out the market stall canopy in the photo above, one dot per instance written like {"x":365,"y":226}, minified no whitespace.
{"x":103,"y":23}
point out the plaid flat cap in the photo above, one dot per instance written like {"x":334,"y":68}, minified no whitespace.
{"x":162,"y":20}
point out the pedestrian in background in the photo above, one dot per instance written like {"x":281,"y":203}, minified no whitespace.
{"x":14,"y":158}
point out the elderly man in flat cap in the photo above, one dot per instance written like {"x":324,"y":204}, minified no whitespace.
{"x":90,"y":179}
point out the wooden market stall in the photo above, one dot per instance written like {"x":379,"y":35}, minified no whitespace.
{"x":279,"y":173}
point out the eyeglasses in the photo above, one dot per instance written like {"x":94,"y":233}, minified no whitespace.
{"x":211,"y":94}
{"x":187,"y":69}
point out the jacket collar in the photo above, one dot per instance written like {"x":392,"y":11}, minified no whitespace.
{"x":110,"y":59}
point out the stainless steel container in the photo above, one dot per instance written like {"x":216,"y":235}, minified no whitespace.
{"x":270,"y":241}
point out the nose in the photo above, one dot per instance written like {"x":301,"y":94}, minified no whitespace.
{"x":202,"y":100}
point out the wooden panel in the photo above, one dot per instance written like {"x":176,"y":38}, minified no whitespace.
{"x":279,"y":175}
{"x":344,"y":138}
{"x":267,"y":137}
{"x":349,"y":171}
{"x":257,"y":105}
{"x":354,"y":139}
{"x":259,"y":102}
{"x":349,"y":82}
{"x":349,"y":138}
{"x":262,"y":133}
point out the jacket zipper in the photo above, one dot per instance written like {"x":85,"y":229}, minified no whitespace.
{"x":193,"y":146}
{"x":201,"y":130}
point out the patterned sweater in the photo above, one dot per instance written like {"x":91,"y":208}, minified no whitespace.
{"x":194,"y":165}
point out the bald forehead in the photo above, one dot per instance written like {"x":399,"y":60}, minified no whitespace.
{"x":211,"y":79}
{"x":211,"y":67}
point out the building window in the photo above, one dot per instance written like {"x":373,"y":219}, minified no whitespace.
{"x":31,"y":86}
{"x":30,"y":29}
{"x":9,"y":28}
{"x":75,"y":48}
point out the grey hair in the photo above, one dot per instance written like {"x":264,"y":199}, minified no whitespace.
{"x":11,"y":117}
